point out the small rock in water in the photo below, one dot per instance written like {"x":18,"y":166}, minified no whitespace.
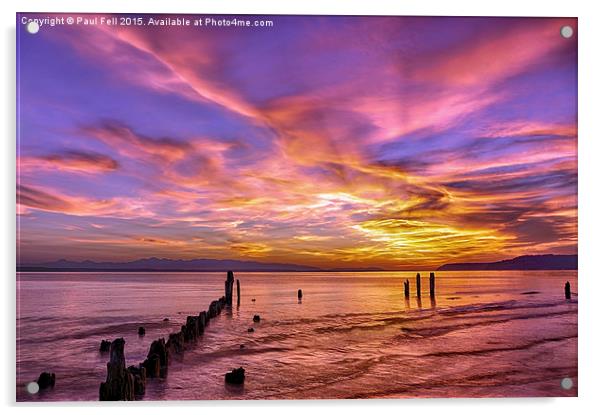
{"x":242,"y":346}
{"x":250,"y":329}
{"x":105,"y":345}
{"x":256,"y":318}
{"x":165,"y":319}
{"x":141,"y":331}
{"x":236,"y":377}
{"x":46,"y":380}
{"x":252,"y":299}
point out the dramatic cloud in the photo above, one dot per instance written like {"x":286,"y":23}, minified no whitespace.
{"x":327,"y":141}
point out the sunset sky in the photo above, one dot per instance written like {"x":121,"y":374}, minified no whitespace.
{"x":326,"y":141}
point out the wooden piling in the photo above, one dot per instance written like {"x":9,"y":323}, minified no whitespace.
{"x":299,"y":293}
{"x":125,"y":383}
{"x":238,"y":292}
{"x":418,"y":285}
{"x":406,"y":288}
{"x":157,"y":359}
{"x":567,"y":290}
{"x":432,"y":284}
{"x":229,"y":286}
{"x":119,"y":385}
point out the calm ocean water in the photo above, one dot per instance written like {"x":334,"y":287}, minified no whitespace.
{"x":353,"y":335}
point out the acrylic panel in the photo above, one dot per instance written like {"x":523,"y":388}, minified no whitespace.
{"x":295,"y":207}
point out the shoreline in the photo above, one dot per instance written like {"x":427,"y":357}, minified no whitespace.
{"x":158,"y":271}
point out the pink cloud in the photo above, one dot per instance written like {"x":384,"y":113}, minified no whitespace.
{"x":71,"y":161}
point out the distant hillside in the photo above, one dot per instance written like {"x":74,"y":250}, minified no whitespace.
{"x":526,"y":262}
{"x":163,"y":264}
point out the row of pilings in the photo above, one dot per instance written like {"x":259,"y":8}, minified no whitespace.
{"x":126,"y":383}
{"x":406,"y":286}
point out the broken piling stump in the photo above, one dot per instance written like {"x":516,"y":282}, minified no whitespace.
{"x":157,"y":359}
{"x":141,"y":331}
{"x":152,"y":364}
{"x":139,"y":374}
{"x":406,"y":288}
{"x":202,"y":321}
{"x":256,"y":318}
{"x":238,"y":292}
{"x":567,"y":290}
{"x":175,"y":343}
{"x":191,"y":329}
{"x":119,"y":384}
{"x":214,"y":309}
{"x":418,"y":285}
{"x":216,"y":306}
{"x":236,"y":376}
{"x":299,"y":293}
{"x":105,"y":346}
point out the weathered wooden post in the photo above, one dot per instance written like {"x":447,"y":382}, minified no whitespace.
{"x":139,"y":374}
{"x":119,"y":385}
{"x":191,"y":329}
{"x":157,"y":359}
{"x":406,"y":288}
{"x":229,"y":287}
{"x":418,"y":285}
{"x":238,"y":292}
{"x":567,"y":290}
{"x":432,"y":284}
{"x":174,"y":345}
{"x":299,"y":293}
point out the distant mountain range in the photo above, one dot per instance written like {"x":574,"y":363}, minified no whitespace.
{"x":174,"y":265}
{"x":525,"y":262}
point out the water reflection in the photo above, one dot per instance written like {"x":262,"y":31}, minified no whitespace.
{"x":352,"y":317}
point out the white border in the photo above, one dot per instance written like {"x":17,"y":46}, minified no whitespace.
{"x":590,"y":136}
